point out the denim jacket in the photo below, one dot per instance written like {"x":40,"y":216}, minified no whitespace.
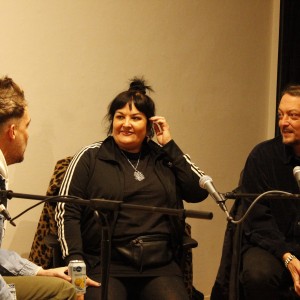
{"x":11,"y":263}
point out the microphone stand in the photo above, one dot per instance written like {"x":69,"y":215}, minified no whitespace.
{"x":272,"y":194}
{"x":100,"y":205}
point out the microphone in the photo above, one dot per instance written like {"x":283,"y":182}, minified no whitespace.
{"x":206,"y":183}
{"x":4,"y":212}
{"x":296,"y":173}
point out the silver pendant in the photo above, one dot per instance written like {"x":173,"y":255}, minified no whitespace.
{"x":139,"y":176}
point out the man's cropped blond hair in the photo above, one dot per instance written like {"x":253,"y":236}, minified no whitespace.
{"x":12,"y":100}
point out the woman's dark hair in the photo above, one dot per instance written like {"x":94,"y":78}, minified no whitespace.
{"x":136,"y":94}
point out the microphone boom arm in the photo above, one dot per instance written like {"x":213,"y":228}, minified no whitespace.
{"x":111,"y":205}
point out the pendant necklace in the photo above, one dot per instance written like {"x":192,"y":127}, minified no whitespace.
{"x":139,"y":176}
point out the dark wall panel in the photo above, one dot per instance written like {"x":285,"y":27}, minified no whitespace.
{"x":289,"y":47}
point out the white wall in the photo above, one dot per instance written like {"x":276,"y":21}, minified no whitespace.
{"x":212,"y":65}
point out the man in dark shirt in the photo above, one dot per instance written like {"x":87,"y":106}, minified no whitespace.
{"x":270,"y":248}
{"x":272,"y":230}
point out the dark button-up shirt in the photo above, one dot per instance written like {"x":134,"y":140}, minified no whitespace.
{"x":273,"y":224}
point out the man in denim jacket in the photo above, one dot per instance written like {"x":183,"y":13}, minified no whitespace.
{"x":31,"y":281}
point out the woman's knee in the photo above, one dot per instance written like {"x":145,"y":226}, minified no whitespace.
{"x":165,"y":287}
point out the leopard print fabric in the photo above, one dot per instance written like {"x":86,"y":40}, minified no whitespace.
{"x":40,"y":253}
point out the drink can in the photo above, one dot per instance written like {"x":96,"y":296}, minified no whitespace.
{"x":77,"y":271}
{"x":12,"y":289}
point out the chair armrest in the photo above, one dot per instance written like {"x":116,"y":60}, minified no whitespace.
{"x":52,"y":241}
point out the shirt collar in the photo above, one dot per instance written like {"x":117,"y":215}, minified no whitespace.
{"x":3,"y":168}
{"x":289,"y":155}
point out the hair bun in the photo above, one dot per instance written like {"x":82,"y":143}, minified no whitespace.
{"x":139,"y":85}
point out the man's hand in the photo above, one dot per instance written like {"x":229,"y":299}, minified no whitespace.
{"x":62,"y":273}
{"x":55,"y":272}
{"x":80,"y":297}
{"x":90,"y":282}
{"x":294,"y":268}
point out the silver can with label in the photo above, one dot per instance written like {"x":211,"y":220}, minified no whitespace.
{"x":12,"y":289}
{"x":77,"y":271}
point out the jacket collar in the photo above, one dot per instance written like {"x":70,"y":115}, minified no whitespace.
{"x":109,"y":148}
{"x":289,"y":156}
{"x":3,"y":168}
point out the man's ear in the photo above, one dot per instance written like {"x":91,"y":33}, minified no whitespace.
{"x":12,"y":131}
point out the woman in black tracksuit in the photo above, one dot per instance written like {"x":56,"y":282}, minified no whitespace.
{"x":128,"y":166}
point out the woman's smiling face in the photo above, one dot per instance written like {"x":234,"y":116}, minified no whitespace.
{"x":129,"y":128}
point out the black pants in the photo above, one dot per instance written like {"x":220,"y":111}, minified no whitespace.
{"x":141,"y":288}
{"x":263,"y":277}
